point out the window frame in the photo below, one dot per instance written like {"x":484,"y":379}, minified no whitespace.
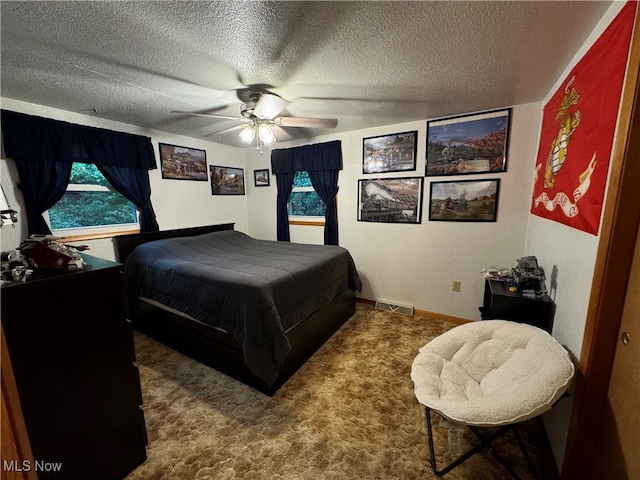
{"x":309,"y":220}
{"x":95,"y":231}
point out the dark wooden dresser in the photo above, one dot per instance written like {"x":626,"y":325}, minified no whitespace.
{"x":71,"y":348}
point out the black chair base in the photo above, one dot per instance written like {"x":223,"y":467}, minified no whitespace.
{"x":485,"y":443}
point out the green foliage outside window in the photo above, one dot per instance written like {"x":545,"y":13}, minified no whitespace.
{"x":90,"y":202}
{"x":87,"y":174}
{"x":302,"y":180}
{"x":98,"y":208}
{"x":304,"y":201}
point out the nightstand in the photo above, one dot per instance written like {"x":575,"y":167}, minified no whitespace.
{"x":500,"y":303}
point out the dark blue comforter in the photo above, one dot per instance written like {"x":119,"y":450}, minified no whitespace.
{"x":253,"y":289}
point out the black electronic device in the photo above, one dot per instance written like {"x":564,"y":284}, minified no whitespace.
{"x":529,"y":276}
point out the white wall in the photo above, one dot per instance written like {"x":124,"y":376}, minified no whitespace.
{"x":572,"y":253}
{"x":406,"y":264}
{"x":177,"y":203}
{"x":416,"y":264}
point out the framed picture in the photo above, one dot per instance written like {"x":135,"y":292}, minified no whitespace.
{"x":226,"y":180}
{"x":390,"y":200}
{"x":389,"y":153}
{"x":464,"y":200}
{"x":183,"y":163}
{"x":261,"y":178}
{"x":476,"y":143}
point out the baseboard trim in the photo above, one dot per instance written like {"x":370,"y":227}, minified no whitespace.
{"x":442,"y":316}
{"x":423,"y":313}
{"x":366,"y":301}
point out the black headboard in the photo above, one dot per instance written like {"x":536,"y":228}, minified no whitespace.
{"x":125,"y":244}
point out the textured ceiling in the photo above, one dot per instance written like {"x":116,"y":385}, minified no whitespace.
{"x":364,"y":63}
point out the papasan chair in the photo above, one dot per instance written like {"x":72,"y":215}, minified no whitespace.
{"x":491,"y":373}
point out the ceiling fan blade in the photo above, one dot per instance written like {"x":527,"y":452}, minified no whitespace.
{"x":190,"y":93}
{"x":226,"y":130}
{"x":306,"y":122}
{"x":269,"y":105}
{"x":213,"y":115}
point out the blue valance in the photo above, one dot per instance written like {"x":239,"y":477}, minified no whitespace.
{"x":309,"y":158}
{"x":31,"y":138}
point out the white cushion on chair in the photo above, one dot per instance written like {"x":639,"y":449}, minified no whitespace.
{"x":491,"y":372}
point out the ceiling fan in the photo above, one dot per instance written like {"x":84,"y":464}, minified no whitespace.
{"x":260,"y":112}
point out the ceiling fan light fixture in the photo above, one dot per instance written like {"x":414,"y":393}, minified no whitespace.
{"x":247,"y":134}
{"x":268,"y":106}
{"x":259,"y":113}
{"x":266,"y":134}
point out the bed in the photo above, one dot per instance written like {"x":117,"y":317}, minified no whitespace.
{"x":255,"y":310}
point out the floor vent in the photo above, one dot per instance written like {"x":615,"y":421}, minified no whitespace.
{"x":390,"y":307}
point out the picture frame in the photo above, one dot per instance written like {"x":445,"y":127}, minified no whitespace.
{"x":183,"y":163}
{"x":226,"y":180}
{"x":468,"y":144}
{"x":464,"y":200}
{"x":390,"y":200}
{"x":390,"y":153}
{"x":261,"y":178}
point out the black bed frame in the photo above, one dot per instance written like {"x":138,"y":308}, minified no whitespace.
{"x":219,"y":349}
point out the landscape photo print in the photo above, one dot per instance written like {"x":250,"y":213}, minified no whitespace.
{"x":389,"y":153}
{"x":226,"y":180}
{"x":468,"y":144}
{"x":464,"y":200}
{"x":183,"y":163}
{"x":390,"y":200}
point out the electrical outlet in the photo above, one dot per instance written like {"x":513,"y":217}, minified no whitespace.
{"x":456,"y":286}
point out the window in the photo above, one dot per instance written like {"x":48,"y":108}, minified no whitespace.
{"x":304,"y":203}
{"x":91,"y":206}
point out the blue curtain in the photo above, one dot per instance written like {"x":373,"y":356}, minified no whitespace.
{"x":133,"y":184}
{"x":323,"y":161}
{"x":325,"y":183}
{"x":45,"y":149}
{"x":42,"y":184}
{"x":284,"y":184}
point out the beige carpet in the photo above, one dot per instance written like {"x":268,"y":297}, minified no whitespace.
{"x":348,"y":413}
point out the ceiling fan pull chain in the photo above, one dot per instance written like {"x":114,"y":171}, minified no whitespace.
{"x":259,"y":144}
